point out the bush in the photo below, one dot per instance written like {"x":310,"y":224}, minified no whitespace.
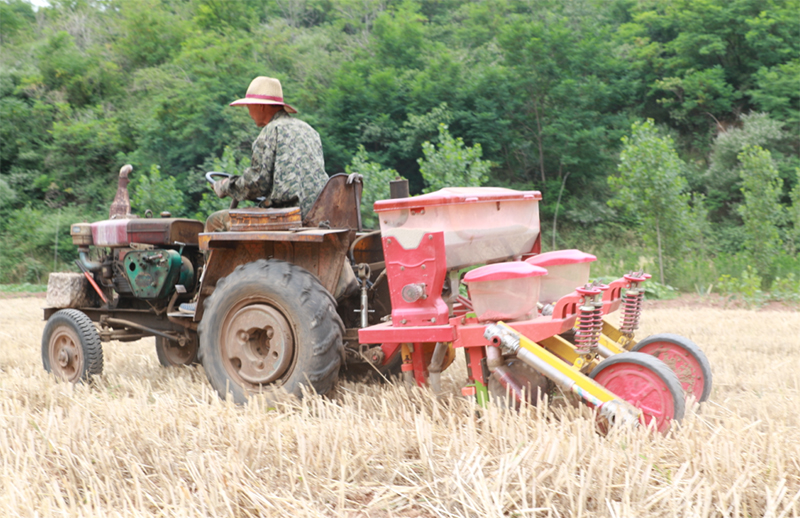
{"x":156,"y":193}
{"x":30,"y":243}
{"x":452,"y":164}
{"x":376,"y":180}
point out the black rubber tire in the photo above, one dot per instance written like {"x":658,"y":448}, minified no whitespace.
{"x":691,"y":348}
{"x":309,"y":310}
{"x":88,"y":349}
{"x":655,"y":366}
{"x":167,"y":360}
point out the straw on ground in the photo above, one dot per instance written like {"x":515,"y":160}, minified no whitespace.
{"x":145,"y":441}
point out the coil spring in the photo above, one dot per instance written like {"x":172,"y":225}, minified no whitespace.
{"x":631,"y":310}
{"x":589,"y":327}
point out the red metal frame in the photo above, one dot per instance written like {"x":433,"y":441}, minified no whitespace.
{"x":421,"y":266}
{"x":612,"y":297}
{"x":416,"y":277}
{"x":465,"y":331}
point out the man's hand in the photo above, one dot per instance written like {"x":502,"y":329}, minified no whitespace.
{"x":221,"y":187}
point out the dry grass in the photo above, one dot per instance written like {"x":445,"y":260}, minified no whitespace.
{"x":147,"y":441}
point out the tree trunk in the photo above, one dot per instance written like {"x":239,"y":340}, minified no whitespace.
{"x":539,"y":139}
{"x":660,"y":258}
{"x":558,"y":204}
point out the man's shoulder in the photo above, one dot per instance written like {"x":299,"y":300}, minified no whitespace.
{"x":283,"y":120}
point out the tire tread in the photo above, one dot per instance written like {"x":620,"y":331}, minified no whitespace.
{"x":323,"y":325}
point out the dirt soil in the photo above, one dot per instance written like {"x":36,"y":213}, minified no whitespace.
{"x":38,"y":295}
{"x":716,"y":301}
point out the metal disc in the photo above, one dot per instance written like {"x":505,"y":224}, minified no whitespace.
{"x":534,"y":384}
{"x":258,"y":344}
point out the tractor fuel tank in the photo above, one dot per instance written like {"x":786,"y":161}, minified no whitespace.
{"x":480,"y":224}
{"x":164,"y":231}
{"x":153,"y":231}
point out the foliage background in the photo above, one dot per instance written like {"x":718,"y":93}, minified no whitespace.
{"x":545,"y":89}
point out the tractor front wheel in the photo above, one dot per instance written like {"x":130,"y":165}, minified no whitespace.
{"x":71,"y":347}
{"x":685,"y":359}
{"x":270,"y":324}
{"x":645,"y":382}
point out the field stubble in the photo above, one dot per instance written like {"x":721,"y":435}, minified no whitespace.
{"x":144,"y":440}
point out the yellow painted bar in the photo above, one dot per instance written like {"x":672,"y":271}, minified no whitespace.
{"x":611,"y":345}
{"x":614,"y":334}
{"x":560,"y":347}
{"x":582,"y":381}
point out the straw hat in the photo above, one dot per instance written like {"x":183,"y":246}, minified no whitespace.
{"x":264,"y":90}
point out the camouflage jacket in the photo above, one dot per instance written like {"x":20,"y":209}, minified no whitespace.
{"x":287,"y":166}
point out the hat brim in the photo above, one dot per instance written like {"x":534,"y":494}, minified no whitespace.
{"x":240,"y":102}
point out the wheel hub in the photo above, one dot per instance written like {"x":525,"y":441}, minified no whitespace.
{"x":641,"y":388}
{"x":258,"y":343}
{"x":180,"y":354}
{"x":65,"y":356}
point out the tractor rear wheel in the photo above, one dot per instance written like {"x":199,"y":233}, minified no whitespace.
{"x":71,"y":347}
{"x":171,"y":354}
{"x":270,"y":324}
{"x":645,"y":382}
{"x":685,"y":359}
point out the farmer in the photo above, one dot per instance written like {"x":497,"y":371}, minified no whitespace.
{"x":287,"y":167}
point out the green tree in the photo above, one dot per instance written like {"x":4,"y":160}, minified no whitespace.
{"x":14,"y":16}
{"x":156,"y":193}
{"x":699,"y":64}
{"x":794,"y":212}
{"x":568,"y":91}
{"x":7,"y":195}
{"x":148,"y":35}
{"x":452,"y":164}
{"x":228,"y":163}
{"x":650,"y":187}
{"x":778,"y":94}
{"x":761,"y":210}
{"x":376,"y":180}
{"x":81,"y":163}
{"x":722,"y":180}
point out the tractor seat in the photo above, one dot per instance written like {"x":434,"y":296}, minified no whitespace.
{"x":257,"y":219}
{"x":337,"y":206}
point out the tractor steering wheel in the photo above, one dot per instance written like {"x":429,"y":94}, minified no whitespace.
{"x":210,"y":179}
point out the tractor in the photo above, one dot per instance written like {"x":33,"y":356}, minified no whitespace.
{"x":292,"y":302}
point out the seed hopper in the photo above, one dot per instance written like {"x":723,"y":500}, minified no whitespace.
{"x":531,"y":323}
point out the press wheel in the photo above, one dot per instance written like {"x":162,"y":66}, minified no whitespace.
{"x":645,"y":382}
{"x":685,"y":359}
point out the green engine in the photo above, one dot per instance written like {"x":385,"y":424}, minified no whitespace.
{"x":153,"y":274}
